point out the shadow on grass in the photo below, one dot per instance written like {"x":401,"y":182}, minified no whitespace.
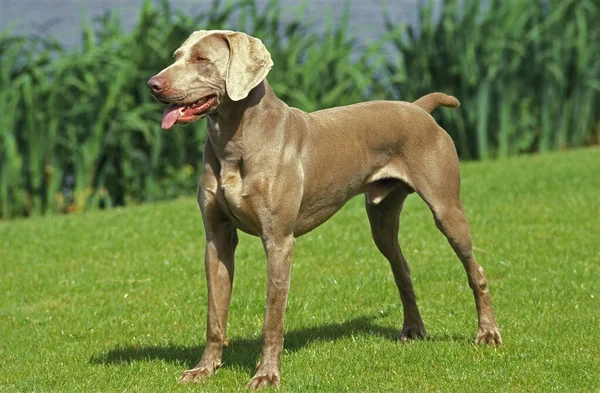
{"x":244,"y":353}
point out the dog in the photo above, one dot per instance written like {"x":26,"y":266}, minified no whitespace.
{"x":277,"y":172}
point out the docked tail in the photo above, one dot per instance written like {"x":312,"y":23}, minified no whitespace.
{"x":431,"y":101}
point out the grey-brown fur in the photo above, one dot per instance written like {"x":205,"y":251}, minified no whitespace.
{"x":277,"y":172}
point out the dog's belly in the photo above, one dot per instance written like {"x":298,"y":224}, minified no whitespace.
{"x":311,"y":218}
{"x":318,"y":207}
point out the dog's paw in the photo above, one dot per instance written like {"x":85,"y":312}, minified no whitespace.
{"x":198,"y":374}
{"x":265,"y":376}
{"x":489,"y":335}
{"x":412,"y":332}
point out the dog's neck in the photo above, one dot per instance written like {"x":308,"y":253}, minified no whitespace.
{"x":226,"y":127}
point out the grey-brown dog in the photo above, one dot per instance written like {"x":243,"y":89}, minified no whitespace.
{"x":277,"y":172}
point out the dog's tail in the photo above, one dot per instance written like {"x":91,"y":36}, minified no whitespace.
{"x":431,"y":101}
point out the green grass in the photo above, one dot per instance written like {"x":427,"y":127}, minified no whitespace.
{"x":115,"y":301}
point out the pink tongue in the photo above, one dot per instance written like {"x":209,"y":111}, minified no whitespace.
{"x":170,"y":116}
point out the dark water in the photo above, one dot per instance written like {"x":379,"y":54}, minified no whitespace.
{"x":62,"y":18}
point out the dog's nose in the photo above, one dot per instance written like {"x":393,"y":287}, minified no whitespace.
{"x":156,"y":84}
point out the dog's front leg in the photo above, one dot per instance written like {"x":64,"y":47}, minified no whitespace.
{"x":279,"y":262}
{"x":221,"y":240}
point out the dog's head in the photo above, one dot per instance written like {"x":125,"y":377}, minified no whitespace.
{"x":209,"y":66}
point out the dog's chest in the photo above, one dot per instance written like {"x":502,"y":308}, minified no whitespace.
{"x":231,"y":185}
{"x":232,"y":201}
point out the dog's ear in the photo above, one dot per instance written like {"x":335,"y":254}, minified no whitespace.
{"x":249,"y":64}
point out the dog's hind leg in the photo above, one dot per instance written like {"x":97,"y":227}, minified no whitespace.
{"x":384,"y":218}
{"x":451,"y":220}
{"x":439,"y":186}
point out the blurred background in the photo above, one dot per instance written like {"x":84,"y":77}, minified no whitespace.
{"x":79,"y":129}
{"x":62,"y":18}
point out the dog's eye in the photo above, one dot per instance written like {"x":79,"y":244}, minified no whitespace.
{"x":201,"y":59}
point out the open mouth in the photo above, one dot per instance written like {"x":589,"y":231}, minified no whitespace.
{"x":183,"y":114}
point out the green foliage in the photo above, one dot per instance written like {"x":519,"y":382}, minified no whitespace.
{"x":115,"y":301}
{"x":527,"y":72}
{"x":79,"y":129}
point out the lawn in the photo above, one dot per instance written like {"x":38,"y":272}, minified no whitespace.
{"x":115,"y":301}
